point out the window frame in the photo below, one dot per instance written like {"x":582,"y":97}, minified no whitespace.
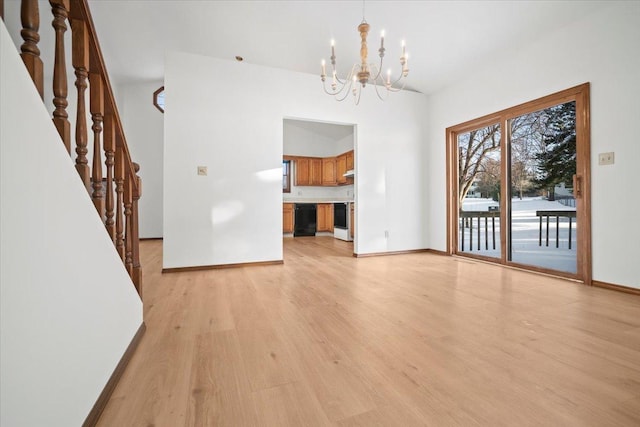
{"x":286,"y":175}
{"x":155,"y":99}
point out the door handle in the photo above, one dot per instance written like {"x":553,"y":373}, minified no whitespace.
{"x":577,"y":186}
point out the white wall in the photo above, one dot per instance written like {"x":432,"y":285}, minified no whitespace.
{"x":235,"y":128}
{"x":144,"y":128}
{"x":68,"y":309}
{"x":602,"y":48}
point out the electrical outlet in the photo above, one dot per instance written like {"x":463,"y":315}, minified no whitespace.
{"x":202,"y":170}
{"x":606,"y":158}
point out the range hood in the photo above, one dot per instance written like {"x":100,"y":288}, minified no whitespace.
{"x":348,"y":173}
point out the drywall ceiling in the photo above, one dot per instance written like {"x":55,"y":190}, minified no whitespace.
{"x":446,"y":40}
{"x":331,"y":131}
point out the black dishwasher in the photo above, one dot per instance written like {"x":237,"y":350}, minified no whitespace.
{"x":305,"y":221}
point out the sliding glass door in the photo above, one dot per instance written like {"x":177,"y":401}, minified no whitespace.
{"x":518,"y":186}
{"x":542,"y":211}
{"x":479,"y":176}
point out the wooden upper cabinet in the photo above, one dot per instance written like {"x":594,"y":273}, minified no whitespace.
{"x":287,"y":217}
{"x":341,"y":167}
{"x":324,"y":216}
{"x":350,"y":162}
{"x":329,"y":171}
{"x":344,"y":163}
{"x":318,"y":171}
{"x":302,"y":171}
{"x":315,"y":174}
{"x":308,"y":171}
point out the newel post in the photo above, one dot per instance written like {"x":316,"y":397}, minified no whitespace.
{"x":128,"y":223}
{"x":137,"y":269}
{"x":119,"y":177}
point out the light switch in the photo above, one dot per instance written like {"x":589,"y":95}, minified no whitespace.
{"x":202,"y":170}
{"x":606,"y":158}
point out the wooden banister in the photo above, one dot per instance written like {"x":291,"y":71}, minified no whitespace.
{"x":115,"y":198}
{"x":80,"y":10}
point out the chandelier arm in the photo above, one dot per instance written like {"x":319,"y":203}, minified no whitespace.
{"x":357,"y":99}
{"x":349,"y":76}
{"x":379,"y":68}
{"x":342,"y":87}
{"x":378,"y":93}
{"x":346,"y":93}
{"x":397,"y":89}
{"x":337,"y":92}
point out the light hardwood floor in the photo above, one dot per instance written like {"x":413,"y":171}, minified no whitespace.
{"x":405,"y":340}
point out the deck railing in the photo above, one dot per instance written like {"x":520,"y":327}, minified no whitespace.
{"x":482,"y":224}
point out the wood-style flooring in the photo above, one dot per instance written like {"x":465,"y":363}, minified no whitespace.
{"x":406,"y":340}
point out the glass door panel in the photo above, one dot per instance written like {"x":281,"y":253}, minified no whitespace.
{"x":542,"y":208}
{"x":479,"y":175}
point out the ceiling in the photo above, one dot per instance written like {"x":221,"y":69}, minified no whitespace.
{"x":331,"y":131}
{"x":445,"y":40}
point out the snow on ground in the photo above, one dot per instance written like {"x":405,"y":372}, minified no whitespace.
{"x":525,"y":234}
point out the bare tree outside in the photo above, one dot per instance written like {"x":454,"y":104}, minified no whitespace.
{"x":473,"y":149}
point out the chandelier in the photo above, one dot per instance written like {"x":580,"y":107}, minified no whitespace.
{"x":365,"y":73}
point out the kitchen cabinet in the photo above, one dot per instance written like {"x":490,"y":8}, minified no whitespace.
{"x":315,"y":171}
{"x":344,"y":163}
{"x":287,"y":217}
{"x":352,"y":218}
{"x":303,"y":169}
{"x":341,"y":167}
{"x":350,"y":162}
{"x":329,"y":171}
{"x":319,"y":171}
{"x":308,"y":171}
{"x":324,"y":216}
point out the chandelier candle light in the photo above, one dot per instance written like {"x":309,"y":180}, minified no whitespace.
{"x":364,"y":72}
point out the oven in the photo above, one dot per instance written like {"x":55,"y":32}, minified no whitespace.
{"x":341,"y":223}
{"x":340,"y":212}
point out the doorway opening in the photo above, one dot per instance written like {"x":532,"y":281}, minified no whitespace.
{"x":319,"y":178}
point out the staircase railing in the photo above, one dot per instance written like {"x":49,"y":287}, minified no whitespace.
{"x":116,"y":197}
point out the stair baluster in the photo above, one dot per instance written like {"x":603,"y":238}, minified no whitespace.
{"x":96,"y":105}
{"x":109,"y":142}
{"x":80,"y":60}
{"x":30,"y":18}
{"x":119,"y":172}
{"x":60,"y":10}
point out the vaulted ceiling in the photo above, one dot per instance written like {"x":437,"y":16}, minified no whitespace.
{"x":446,"y":40}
